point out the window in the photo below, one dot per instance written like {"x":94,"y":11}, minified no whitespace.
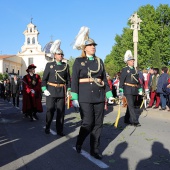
{"x":12,"y":70}
{"x":28,"y":40}
{"x":33,"y":40}
{"x":30,"y":61}
{"x":6,"y":70}
{"x":18,"y":72}
{"x":30,"y":29}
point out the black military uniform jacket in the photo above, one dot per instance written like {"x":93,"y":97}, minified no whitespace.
{"x":89,"y":92}
{"x":129,"y":75}
{"x":51,"y":76}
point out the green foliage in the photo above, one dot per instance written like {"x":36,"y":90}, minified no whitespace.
{"x":153,"y":40}
{"x":40,"y":74}
{"x":1,"y":76}
{"x":71,"y":62}
{"x":5,"y":76}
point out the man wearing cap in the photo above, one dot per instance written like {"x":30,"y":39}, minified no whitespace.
{"x":88,"y":90}
{"x":55,"y":84}
{"x":130,"y":87}
{"x":32,"y":93}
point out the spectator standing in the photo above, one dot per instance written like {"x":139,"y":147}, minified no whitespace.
{"x":15,"y":91}
{"x":8,"y":90}
{"x":162,"y":79}
{"x":153,"y":93}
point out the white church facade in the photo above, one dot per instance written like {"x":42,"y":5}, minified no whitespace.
{"x":31,"y":53}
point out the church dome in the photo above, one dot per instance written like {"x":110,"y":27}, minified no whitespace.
{"x":46,"y":49}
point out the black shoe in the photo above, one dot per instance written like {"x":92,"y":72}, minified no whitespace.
{"x":35,"y":117}
{"x":155,"y":107}
{"x":96,"y":155}
{"x":127,"y":122}
{"x":61,"y":134}
{"x":31,"y":119}
{"x":149,"y":107}
{"x":162,"y":109}
{"x":136,"y":124}
{"x":78,"y":148}
{"x":47,"y":131}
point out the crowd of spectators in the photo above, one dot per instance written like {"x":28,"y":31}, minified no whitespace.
{"x":156,"y":87}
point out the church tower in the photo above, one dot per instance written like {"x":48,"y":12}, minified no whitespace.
{"x":31,"y":51}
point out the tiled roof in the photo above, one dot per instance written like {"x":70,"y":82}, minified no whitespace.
{"x":6,"y":56}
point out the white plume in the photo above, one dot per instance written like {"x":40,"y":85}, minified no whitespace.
{"x":55,"y":46}
{"x":81,"y":37}
{"x":127,"y":55}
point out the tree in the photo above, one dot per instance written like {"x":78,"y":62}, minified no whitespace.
{"x":71,"y":62}
{"x":40,"y":74}
{"x":154,"y":40}
{"x":1,"y":76}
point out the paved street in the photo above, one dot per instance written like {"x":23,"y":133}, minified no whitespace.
{"x":25,"y":146}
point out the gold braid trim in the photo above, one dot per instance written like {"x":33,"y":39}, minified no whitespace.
{"x":59,"y":71}
{"x":132,"y":77}
{"x":92,"y":71}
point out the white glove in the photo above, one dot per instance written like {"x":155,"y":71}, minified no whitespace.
{"x":46,"y":93}
{"x":120,"y":95}
{"x":32,"y":91}
{"x":140,"y":93}
{"x":75,"y":103}
{"x":111,"y":99}
{"x":146,"y":91}
{"x":68,"y":93}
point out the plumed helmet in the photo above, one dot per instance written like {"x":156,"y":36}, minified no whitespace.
{"x":128,"y":56}
{"x":47,"y":50}
{"x":55,"y":47}
{"x":89,"y":42}
{"x":59,"y":51}
{"x":82,"y":39}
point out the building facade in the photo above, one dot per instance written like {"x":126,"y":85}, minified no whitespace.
{"x":31,"y":53}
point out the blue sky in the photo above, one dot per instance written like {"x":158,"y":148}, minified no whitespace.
{"x":63,"y":20}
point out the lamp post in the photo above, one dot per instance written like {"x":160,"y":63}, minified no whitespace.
{"x":135,"y":26}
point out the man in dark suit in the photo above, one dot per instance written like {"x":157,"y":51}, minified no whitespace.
{"x":15,"y":90}
{"x":55,"y":83}
{"x":130,"y":87}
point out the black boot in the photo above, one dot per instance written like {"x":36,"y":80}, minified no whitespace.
{"x":35,"y":116}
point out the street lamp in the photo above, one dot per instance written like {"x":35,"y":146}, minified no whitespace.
{"x":135,"y":26}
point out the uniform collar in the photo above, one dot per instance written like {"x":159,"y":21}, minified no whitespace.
{"x":58,"y":63}
{"x":90,"y":57}
{"x":130,"y":67}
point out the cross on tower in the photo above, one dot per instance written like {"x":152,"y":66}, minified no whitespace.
{"x":51,"y":37}
{"x":31,"y":19}
{"x":135,"y":26}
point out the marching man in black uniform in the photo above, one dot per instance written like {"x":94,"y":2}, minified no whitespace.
{"x":55,"y":83}
{"x":130,"y":87}
{"x":89,"y":88}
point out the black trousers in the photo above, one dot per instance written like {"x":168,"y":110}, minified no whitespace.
{"x":15,"y":98}
{"x":130,"y":111}
{"x":92,"y":122}
{"x":55,"y":104}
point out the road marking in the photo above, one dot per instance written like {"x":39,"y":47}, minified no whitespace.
{"x":51,"y":131}
{"x":92,"y":159}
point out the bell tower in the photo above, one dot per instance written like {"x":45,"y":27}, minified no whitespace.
{"x":31,"y":52}
{"x":31,"y":44}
